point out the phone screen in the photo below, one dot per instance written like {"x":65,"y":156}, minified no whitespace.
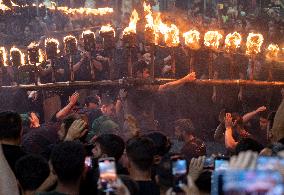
{"x":179,"y":171}
{"x":253,"y":182}
{"x":269,"y":163}
{"x":88,"y":162}
{"x":107,"y":173}
{"x":221,"y":164}
{"x":209,"y":162}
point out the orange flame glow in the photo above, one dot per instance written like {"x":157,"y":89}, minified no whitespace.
{"x":52,"y":40}
{"x":3,"y":7}
{"x":212,"y":39}
{"x":172,"y":37}
{"x":14,"y":49}
{"x":41,"y":56}
{"x":4,"y":55}
{"x":14,"y":4}
{"x":86,"y":32}
{"x":131,"y":29}
{"x":272,"y":51}
{"x":191,"y":39}
{"x":233,"y":41}
{"x":254,"y":43}
{"x":69,"y":37}
{"x":107,"y":28}
{"x":149,"y":18}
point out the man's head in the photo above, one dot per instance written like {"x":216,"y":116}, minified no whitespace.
{"x":263,"y":121}
{"x":141,"y":69}
{"x":27,"y":31}
{"x":10,"y":126}
{"x":184,"y":129}
{"x":92,"y":102}
{"x":140,"y":152}
{"x":67,"y":160}
{"x":248,"y":144}
{"x":31,"y":172}
{"x":65,"y":125}
{"x":108,"y":108}
{"x":161,"y":143}
{"x":108,"y":145}
{"x":237,"y":120}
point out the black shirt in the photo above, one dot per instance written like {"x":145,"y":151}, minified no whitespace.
{"x":147,"y":188}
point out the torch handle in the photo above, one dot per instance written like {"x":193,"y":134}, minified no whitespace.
{"x":53,"y":80}
{"x":252,"y":68}
{"x":152,"y":68}
{"x":232,"y":64}
{"x":130,"y":67}
{"x":270,"y":76}
{"x":210,"y":65}
{"x":92,"y":70}
{"x":36,"y":74}
{"x":191,"y":61}
{"x":173,"y":63}
{"x":71,"y":68}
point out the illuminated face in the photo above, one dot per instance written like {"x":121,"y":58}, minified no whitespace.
{"x":97,"y":152}
{"x":263,"y":123}
{"x":92,"y":106}
{"x":108,"y":110}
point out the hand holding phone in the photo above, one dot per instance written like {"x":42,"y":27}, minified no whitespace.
{"x":179,"y":171}
{"x":108,"y":176}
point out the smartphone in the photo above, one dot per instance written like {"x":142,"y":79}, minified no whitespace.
{"x":269,"y":163}
{"x":179,"y":167}
{"x":108,"y":174}
{"x":88,"y":162}
{"x":209,"y":163}
{"x":252,"y":182}
{"x":221,"y":163}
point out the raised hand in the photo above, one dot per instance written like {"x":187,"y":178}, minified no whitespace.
{"x":76,"y":130}
{"x":34,"y":120}
{"x":74,"y":98}
{"x":228,"y":120}
{"x":196,"y":167}
{"x":261,"y":109}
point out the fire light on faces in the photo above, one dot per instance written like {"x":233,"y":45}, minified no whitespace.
{"x":54,"y":41}
{"x":3,"y":7}
{"x":172,"y":37}
{"x":70,"y":44}
{"x":191,"y":39}
{"x":233,"y":41}
{"x":254,"y":43}
{"x":33,"y":53}
{"x":3,"y":53}
{"x":87,"y":32}
{"x":51,"y":48}
{"x":212,"y":39}
{"x":272,"y":51}
{"x":131,"y":29}
{"x":22,"y":55}
{"x":107,"y":29}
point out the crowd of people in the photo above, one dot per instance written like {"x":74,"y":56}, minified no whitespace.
{"x":157,"y":139}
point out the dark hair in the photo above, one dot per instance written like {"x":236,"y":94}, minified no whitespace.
{"x":140,"y":66}
{"x":264,"y":115}
{"x":10,"y":125}
{"x":203,"y":182}
{"x":67,"y":159}
{"x":246,"y":144}
{"x":236,"y":117}
{"x":185,"y":125}
{"x":91,"y":99}
{"x":164,"y":172}
{"x":140,"y":150}
{"x":31,"y":171}
{"x":111,"y":144}
{"x":67,"y":121}
{"x":161,"y":143}
{"x":131,"y":185}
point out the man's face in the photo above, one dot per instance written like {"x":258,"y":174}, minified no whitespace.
{"x":178,"y":132}
{"x":97,"y":152}
{"x":108,"y":110}
{"x":27,"y":31}
{"x":263,"y":123}
{"x":92,"y":106}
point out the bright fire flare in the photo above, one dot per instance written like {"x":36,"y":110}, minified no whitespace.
{"x":191,"y":39}
{"x":149,"y":18}
{"x":3,"y":53}
{"x":107,"y":28}
{"x":41,"y":56}
{"x":86,"y":32}
{"x":52,"y":40}
{"x":69,"y":37}
{"x":22,"y":55}
{"x":85,"y":11}
{"x":3,"y":7}
{"x":254,"y":43}
{"x":212,"y":39}
{"x":172,"y":36}
{"x":273,"y":50}
{"x":14,"y":4}
{"x":233,"y":41}
{"x":131,"y":29}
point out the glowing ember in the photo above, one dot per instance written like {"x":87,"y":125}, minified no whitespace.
{"x":159,"y":27}
{"x":68,"y":38}
{"x":212,"y":39}
{"x":3,"y":7}
{"x":233,"y":41}
{"x":272,"y":51}
{"x":172,"y":37}
{"x":191,"y":39}
{"x":16,"y":50}
{"x":41,"y":57}
{"x":107,"y":29}
{"x":131,"y":29}
{"x":85,"y":11}
{"x":254,"y":43}
{"x":4,"y":55}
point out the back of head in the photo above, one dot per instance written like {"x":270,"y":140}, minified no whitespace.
{"x":185,"y":125}
{"x":111,"y":145}
{"x":203,"y":182}
{"x":161,"y":143}
{"x":92,"y":99}
{"x":164,"y":172}
{"x":131,"y":185}
{"x":10,"y":125}
{"x":246,"y":144}
{"x":31,"y":171}
{"x":140,"y":151}
{"x":237,"y":120}
{"x":67,"y":159}
{"x":194,"y":149}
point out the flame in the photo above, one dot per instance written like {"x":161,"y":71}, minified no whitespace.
{"x":132,"y":24}
{"x":159,"y":27}
{"x":52,"y":40}
{"x":14,"y":49}
{"x":172,"y":36}
{"x":69,"y":37}
{"x":254,"y":42}
{"x":3,"y":7}
{"x":86,"y":32}
{"x":149,"y":18}
{"x":41,"y":56}
{"x":233,"y":41}
{"x":272,"y":51}
{"x":4,"y":55}
{"x":212,"y":39}
{"x":14,"y":4}
{"x":81,"y":10}
{"x":107,"y":28}
{"x":191,"y":39}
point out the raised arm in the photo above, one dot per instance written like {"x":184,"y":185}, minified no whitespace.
{"x":175,"y":84}
{"x":8,"y":182}
{"x":230,"y":142}
{"x":67,"y":109}
{"x":250,"y":115}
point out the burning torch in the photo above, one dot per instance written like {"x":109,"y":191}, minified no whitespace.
{"x":271,"y":56}
{"x":70,"y":47}
{"x":89,"y":46}
{"x":18,"y":59}
{"x":3,"y":62}
{"x":51,"y":50}
{"x":129,"y":38}
{"x":35,"y":56}
{"x":191,"y":40}
{"x":253,"y":44}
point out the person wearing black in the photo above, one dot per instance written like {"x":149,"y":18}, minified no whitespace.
{"x":10,"y":137}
